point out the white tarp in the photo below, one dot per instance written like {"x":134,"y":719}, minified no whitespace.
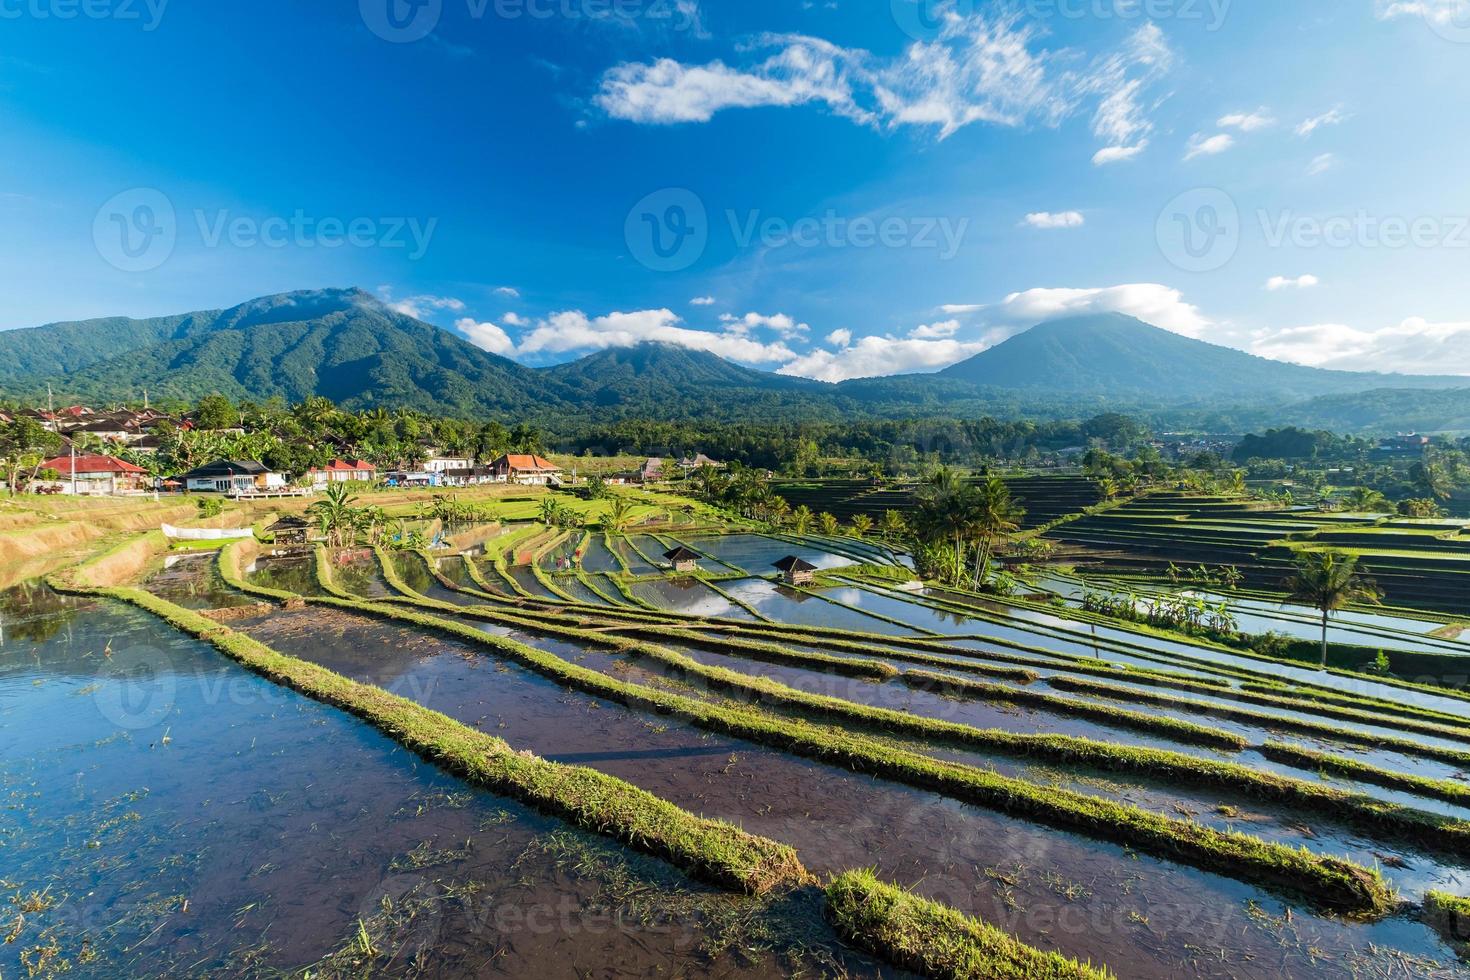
{"x":206,"y":533}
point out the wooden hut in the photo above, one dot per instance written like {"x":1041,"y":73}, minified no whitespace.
{"x":682,"y":559}
{"x":796,"y":571}
{"x":290,"y":530}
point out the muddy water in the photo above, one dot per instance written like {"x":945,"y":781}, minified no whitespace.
{"x":356,"y":571}
{"x":168,"y":814}
{"x":193,"y":581}
{"x":526,"y":578}
{"x":1145,"y":918}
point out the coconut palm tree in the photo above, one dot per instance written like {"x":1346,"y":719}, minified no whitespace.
{"x":335,"y":513}
{"x":1363,"y":500}
{"x":619,"y":515}
{"x":1328,"y":581}
{"x":893,"y":525}
{"x":801,"y":519}
{"x":861,"y":525}
{"x":828,"y":524}
{"x":995,"y":515}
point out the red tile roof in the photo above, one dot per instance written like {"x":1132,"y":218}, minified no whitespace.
{"x":339,"y":466}
{"x":518,"y":461}
{"x":91,"y":464}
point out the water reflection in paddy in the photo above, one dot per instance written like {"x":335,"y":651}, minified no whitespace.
{"x":1146,"y":918}
{"x":179,"y":816}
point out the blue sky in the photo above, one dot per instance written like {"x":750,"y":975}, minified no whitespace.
{"x":831,"y":189}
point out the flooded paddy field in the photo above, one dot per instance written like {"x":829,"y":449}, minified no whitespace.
{"x":168,"y":813}
{"x":1047,"y":704}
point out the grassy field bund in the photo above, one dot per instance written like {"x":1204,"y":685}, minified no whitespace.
{"x":1342,"y":795}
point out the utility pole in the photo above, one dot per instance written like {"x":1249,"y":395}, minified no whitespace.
{"x":73,"y":467}
{"x":50,"y":399}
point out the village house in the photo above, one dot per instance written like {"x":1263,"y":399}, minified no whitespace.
{"x":342,"y":471}
{"x":93,"y":475}
{"x":796,"y":571}
{"x":443,"y":464}
{"x":233,"y":477}
{"x":526,"y":469}
{"x":697,"y":460}
{"x":653,"y":470}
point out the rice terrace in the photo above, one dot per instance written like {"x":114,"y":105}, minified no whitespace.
{"x":734,"y":489}
{"x":509,"y":734}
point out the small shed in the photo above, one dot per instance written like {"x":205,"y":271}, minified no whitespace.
{"x":290,"y":530}
{"x":683,"y":559}
{"x":796,"y":571}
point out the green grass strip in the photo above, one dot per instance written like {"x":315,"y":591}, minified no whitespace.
{"x":1449,"y":790}
{"x":934,"y":940}
{"x":1182,"y":731}
{"x":735,"y":601}
{"x":1344,"y":699}
{"x":1449,"y":915}
{"x":1330,"y":883}
{"x":875,"y":670}
{"x":710,"y":850}
{"x":1261,"y":719}
{"x":1360,"y":812}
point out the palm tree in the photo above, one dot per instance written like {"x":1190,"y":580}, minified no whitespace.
{"x":893,"y":525}
{"x":801,"y":519}
{"x":335,"y":513}
{"x":828,"y":524}
{"x":1329,"y":580}
{"x":996,"y":514}
{"x":1363,"y":500}
{"x":619,"y":515}
{"x":861,"y":525}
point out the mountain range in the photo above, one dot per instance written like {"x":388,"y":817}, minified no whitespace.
{"x":346,"y":345}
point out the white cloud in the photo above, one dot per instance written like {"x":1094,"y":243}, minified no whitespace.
{"x":1439,"y":12}
{"x":978,"y":69}
{"x":576,"y":331}
{"x":486,"y":336}
{"x":509,"y":291}
{"x":1122,"y":82}
{"x":1321,"y":164}
{"x":1278,"y":283}
{"x":959,"y":309}
{"x":839,"y":338}
{"x":785,"y":326}
{"x":421,"y":307}
{"x":514,"y":319}
{"x":873,"y":357}
{"x":1118,"y":154}
{"x":1150,"y":302}
{"x":1331,"y":117}
{"x":1201,"y":145}
{"x":1247,"y":122}
{"x":702,"y":301}
{"x":942,"y":330}
{"x":1415,"y":346}
{"x":1062,"y":219}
